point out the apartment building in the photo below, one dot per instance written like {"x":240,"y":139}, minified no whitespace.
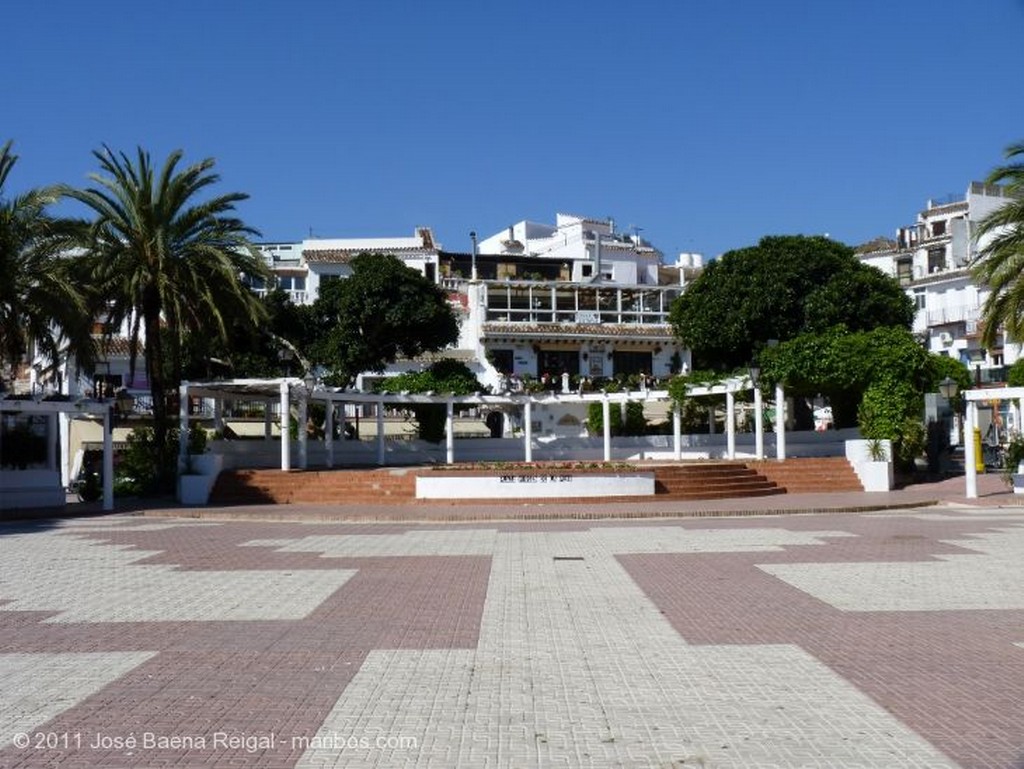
{"x":931,"y":259}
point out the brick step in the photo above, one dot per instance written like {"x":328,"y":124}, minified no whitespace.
{"x":810,"y":475}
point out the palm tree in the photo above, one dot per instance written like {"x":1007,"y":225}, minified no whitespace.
{"x":39,"y":302}
{"x":166,"y":262}
{"x":1000,"y":264}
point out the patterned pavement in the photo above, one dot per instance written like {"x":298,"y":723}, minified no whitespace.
{"x":892,"y":639}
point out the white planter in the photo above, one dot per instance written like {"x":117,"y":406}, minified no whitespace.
{"x":1018,"y":479}
{"x":195,"y":487}
{"x":875,"y":476}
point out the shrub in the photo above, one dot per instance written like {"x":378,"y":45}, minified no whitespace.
{"x":889,"y":410}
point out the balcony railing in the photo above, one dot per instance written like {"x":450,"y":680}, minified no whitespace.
{"x":959,"y":313}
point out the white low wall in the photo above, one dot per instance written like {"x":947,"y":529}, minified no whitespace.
{"x":397,"y":452}
{"x":31,"y":488}
{"x":530,"y":485}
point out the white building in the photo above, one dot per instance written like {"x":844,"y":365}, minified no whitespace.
{"x":932,"y":259}
{"x":535,"y":300}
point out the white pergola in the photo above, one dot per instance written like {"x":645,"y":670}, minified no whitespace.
{"x":972,"y":397}
{"x":293,"y":390}
{"x":79,"y":407}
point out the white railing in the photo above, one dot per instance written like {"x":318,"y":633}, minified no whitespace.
{"x":959,"y":313}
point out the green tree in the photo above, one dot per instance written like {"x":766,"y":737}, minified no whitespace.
{"x":778,"y":289}
{"x":1000,"y":264}
{"x":40,"y":301}
{"x":163,"y":257}
{"x":383,"y":311}
{"x":841,"y":366}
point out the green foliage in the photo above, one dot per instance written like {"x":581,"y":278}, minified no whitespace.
{"x":1015,"y":376}
{"x":891,"y":409}
{"x":163,"y":254}
{"x":147,"y":464}
{"x":1013,"y":458}
{"x":841,"y":366}
{"x":445,"y":377}
{"x":779,"y":289}
{"x":635,"y":422}
{"x":42,"y":304}
{"x":1000,"y":265}
{"x":383,"y":311}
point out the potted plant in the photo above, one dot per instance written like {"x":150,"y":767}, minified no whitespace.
{"x":1013,"y":464}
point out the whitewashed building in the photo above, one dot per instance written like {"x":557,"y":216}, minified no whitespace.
{"x":535,"y":300}
{"x":931,"y":259}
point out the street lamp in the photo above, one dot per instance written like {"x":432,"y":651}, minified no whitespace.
{"x":949,"y":388}
{"x":755,"y":372}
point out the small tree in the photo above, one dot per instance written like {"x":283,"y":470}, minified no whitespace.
{"x":383,"y":311}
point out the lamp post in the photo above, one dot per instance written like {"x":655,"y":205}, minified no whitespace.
{"x":948,"y":389}
{"x":755,"y":379}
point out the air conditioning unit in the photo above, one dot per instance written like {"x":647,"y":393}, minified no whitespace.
{"x":946,"y":338}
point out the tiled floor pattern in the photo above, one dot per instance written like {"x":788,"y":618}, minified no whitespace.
{"x":843,"y":640}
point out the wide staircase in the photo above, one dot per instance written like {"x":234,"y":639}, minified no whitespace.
{"x":710,"y":480}
{"x":677,"y":481}
{"x":810,"y":475}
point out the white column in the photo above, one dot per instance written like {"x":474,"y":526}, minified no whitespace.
{"x":780,"y":422}
{"x":286,"y":441}
{"x":758,"y":424}
{"x":267,"y":421}
{"x":302,"y":432}
{"x":677,"y":429}
{"x":528,"y":430}
{"x":108,"y":460}
{"x":730,"y":425}
{"x":380,"y":432}
{"x":970,"y":458}
{"x":607,"y":423}
{"x":329,"y":434}
{"x":449,"y":433}
{"x":182,"y":426}
{"x":65,"y":450}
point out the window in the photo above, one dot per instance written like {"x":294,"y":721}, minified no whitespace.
{"x":939,"y":227}
{"x":587,"y":270}
{"x":904,"y":271}
{"x":555,"y":362}
{"x":920,"y":299}
{"x":936,"y":259}
{"x":632,"y":362}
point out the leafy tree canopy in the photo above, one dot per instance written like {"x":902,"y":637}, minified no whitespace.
{"x":383,"y":311}
{"x":842,"y":366}
{"x":778,"y":289}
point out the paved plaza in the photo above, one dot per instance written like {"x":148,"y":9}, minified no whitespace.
{"x":883,"y":639}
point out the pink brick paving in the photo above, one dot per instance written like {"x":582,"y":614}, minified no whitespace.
{"x":252,"y":678}
{"x":955,"y":677}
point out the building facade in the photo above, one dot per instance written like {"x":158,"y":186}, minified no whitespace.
{"x":932,"y":260}
{"x":535,"y":301}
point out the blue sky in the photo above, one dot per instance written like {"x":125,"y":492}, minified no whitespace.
{"x":707,"y":124}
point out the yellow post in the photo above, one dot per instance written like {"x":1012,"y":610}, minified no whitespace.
{"x":979,"y":459}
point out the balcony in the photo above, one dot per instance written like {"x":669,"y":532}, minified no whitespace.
{"x":958,"y":313}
